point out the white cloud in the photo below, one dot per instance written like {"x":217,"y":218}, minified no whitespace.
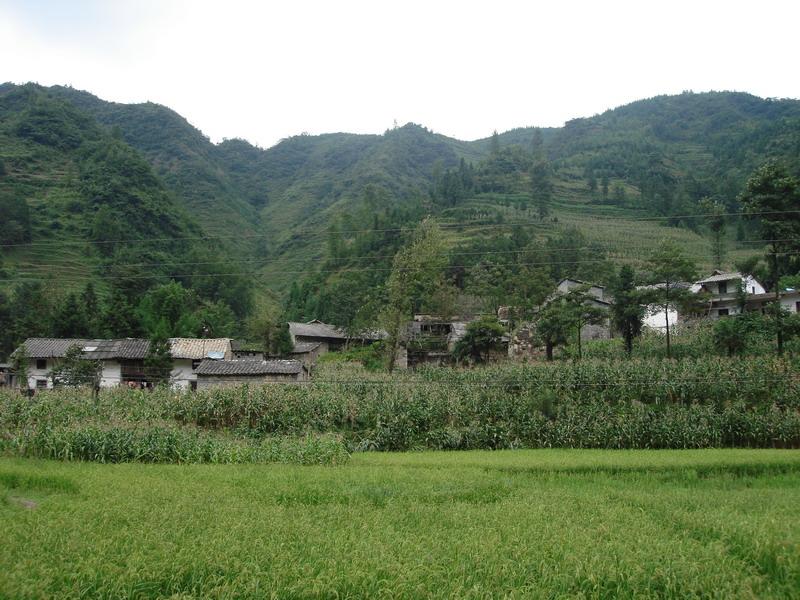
{"x":263,"y":71}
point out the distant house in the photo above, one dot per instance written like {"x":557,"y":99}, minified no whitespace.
{"x":724,"y":291}
{"x":790,"y":301}
{"x":122,"y":360}
{"x":598,"y":297}
{"x":307,"y":353}
{"x":188,"y":353}
{"x":219,"y":373}
{"x":329,"y":337}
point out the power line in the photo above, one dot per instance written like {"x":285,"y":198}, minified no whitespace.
{"x":388,"y":230}
{"x":610,"y":247}
{"x":89,"y":276}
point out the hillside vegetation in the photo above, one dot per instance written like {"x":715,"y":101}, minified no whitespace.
{"x":86,"y":186}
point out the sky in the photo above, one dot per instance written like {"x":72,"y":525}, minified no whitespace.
{"x":265,"y":70}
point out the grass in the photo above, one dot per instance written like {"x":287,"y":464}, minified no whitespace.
{"x":540,"y":523}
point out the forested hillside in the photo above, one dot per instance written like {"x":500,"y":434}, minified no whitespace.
{"x":133,"y":197}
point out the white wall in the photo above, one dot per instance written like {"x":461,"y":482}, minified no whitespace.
{"x":658,"y":320}
{"x":182,"y":373}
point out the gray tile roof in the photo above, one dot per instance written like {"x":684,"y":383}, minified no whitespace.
{"x":98,"y":349}
{"x":721,"y":277}
{"x":303,"y":347}
{"x":249,"y":367}
{"x":317,"y":329}
{"x":196,"y":349}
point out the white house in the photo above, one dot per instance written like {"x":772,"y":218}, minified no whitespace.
{"x":724,"y":293}
{"x":122,"y":360}
{"x":188,"y":353}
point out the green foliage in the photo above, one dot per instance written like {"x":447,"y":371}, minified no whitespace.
{"x":689,"y":403}
{"x":629,"y":307}
{"x":772,"y":195}
{"x":74,"y":370}
{"x":158,"y":361}
{"x":482,"y":338}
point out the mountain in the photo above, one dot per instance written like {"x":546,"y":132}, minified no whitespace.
{"x":74,"y":167}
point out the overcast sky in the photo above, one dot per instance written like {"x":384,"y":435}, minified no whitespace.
{"x":267,"y":70}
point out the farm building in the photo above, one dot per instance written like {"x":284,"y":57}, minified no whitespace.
{"x":188,"y":353}
{"x":307,"y":353}
{"x":329,"y":337}
{"x":122,"y":360}
{"x":219,"y":373}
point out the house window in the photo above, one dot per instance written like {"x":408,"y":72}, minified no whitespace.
{"x":41,"y":363}
{"x":41,"y":384}
{"x":723,"y":287}
{"x":722,"y":312}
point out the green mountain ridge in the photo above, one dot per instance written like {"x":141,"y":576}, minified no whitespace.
{"x":266,"y":215}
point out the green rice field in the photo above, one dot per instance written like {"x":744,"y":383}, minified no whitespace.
{"x":474,"y":524}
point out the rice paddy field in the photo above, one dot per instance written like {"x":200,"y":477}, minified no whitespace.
{"x":472,"y":524}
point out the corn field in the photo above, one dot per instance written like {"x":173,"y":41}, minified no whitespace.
{"x":691,"y":403}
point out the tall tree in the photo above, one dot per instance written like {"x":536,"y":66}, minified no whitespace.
{"x":417,"y":273}
{"x":494,"y":143}
{"x":772,"y":195}
{"x":629,"y":306}
{"x":158,"y":361}
{"x":541,"y":187}
{"x":581,"y":311}
{"x":715,"y":223}
{"x":670,"y":269}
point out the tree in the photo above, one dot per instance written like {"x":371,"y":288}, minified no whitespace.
{"x":91,"y":310}
{"x":772,"y":195}
{"x":580,"y":311}
{"x":715,"y":223}
{"x":70,"y":318}
{"x":158,"y":361}
{"x":118,"y":317}
{"x":494,"y":143}
{"x":629,"y":307}
{"x":669,"y":269}
{"x":417,"y":273}
{"x":75,"y":370}
{"x":731,"y":333}
{"x":553,"y":323}
{"x":541,"y":187}
{"x":482,"y":336}
{"x":20,"y":362}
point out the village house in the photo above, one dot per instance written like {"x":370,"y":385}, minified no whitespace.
{"x":725,"y":293}
{"x":307,"y":353}
{"x":6,"y":375}
{"x":524,"y":342}
{"x":329,"y":337}
{"x":122,"y":360}
{"x":221,"y":373}
{"x":188,"y":353}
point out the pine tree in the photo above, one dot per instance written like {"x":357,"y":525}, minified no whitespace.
{"x":158,"y":361}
